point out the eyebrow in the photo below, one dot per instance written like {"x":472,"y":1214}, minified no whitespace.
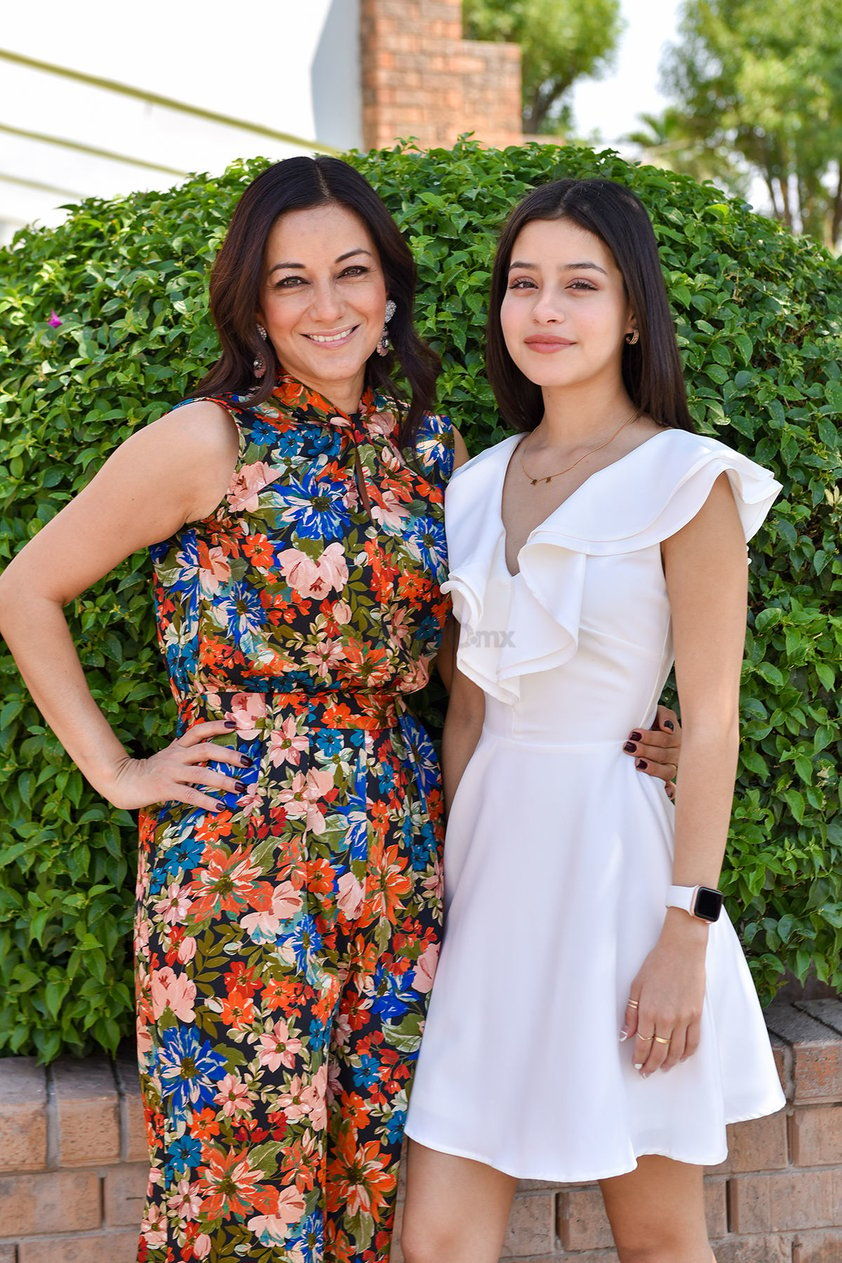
{"x":340,"y":259}
{"x":565,"y":267}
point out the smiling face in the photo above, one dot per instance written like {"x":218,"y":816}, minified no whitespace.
{"x":565,"y":311}
{"x":323,"y":299}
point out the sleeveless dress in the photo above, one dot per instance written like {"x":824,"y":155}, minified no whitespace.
{"x":286,"y":945}
{"x":558,"y":853}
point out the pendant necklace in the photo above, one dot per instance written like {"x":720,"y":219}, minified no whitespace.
{"x":589,"y":452}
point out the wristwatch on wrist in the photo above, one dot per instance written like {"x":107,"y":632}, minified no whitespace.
{"x":699,"y":901}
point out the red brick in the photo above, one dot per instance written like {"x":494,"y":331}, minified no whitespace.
{"x":99,"y":1247}
{"x":125,"y":1193}
{"x":531,"y":1227}
{"x":88,"y":1112}
{"x":817,"y":1247}
{"x":133,"y":1143}
{"x":765,"y":1249}
{"x":817,"y":1136}
{"x":7,"y":1254}
{"x":23,"y":1115}
{"x":774,"y":1203}
{"x":816,"y":1053}
{"x":760,"y":1144}
{"x":582,"y":1223}
{"x":59,"y":1201}
{"x":716,"y":1207}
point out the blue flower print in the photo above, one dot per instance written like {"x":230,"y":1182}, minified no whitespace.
{"x":183,"y":1154}
{"x":188,"y":1068}
{"x":317,"y":507}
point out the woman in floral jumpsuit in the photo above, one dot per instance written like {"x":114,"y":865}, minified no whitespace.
{"x":289,"y":888}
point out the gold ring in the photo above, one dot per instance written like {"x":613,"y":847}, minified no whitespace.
{"x":647,"y":1039}
{"x":632,"y":1004}
{"x":659,"y":1039}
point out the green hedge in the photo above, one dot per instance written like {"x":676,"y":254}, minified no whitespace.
{"x":758,"y":315}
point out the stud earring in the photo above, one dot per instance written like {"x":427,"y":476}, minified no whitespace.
{"x":259,"y":364}
{"x":383,"y":345}
{"x":633,"y":337}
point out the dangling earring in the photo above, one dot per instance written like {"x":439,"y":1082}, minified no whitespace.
{"x":633,"y":337}
{"x":259,"y":364}
{"x":383,"y":344}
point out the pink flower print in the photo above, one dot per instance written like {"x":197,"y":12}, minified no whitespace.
{"x":264,"y":926}
{"x":351,"y":895}
{"x":315,"y":577}
{"x":306,"y":1100}
{"x":54,"y":322}
{"x":272,"y":1229}
{"x":302,"y":798}
{"x":185,"y":1201}
{"x":246,"y":484}
{"x":214,"y":570}
{"x":153,"y":1230}
{"x":234,"y":1097}
{"x":388,"y":511}
{"x":172,"y":991}
{"x":173,"y":904}
{"x":246,"y":710}
{"x":186,"y":949}
{"x":324,"y":656}
{"x":201,"y":1246}
{"x":278,"y":1047}
{"x":425,"y":969}
{"x":381,"y":422}
{"x":341,"y":612}
{"x":286,"y":744}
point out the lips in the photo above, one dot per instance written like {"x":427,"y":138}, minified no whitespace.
{"x":541,"y":341}
{"x":330,"y":339}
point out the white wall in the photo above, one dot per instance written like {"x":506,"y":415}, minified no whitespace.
{"x":289,"y":65}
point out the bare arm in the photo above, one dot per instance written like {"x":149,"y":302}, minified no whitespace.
{"x":462,"y":728}
{"x":705,"y":567}
{"x":171,"y":472}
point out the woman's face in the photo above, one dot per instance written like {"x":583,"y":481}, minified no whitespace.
{"x":565,"y":312}
{"x":323,"y":298}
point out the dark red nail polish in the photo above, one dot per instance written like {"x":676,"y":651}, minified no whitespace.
{"x":669,"y":724}
{"x":629,"y":747}
{"x":240,"y":787}
{"x":641,"y":765}
{"x":636,"y":736}
{"x":246,"y":761}
{"x":230,"y":723}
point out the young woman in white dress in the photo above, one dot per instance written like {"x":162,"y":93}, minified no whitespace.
{"x":593,"y":1017}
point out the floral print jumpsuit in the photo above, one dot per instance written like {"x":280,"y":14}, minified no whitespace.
{"x":286,"y":945}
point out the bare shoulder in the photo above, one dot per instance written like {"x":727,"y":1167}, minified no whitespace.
{"x":197,"y":444}
{"x":460,"y":451}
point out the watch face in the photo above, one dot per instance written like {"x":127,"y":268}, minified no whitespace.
{"x":708,"y":904}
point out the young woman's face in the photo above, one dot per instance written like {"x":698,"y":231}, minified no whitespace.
{"x":565,"y":313}
{"x":323,"y":298}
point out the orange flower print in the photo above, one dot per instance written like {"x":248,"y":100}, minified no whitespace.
{"x":229,"y":1185}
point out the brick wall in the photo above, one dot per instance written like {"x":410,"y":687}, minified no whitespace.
{"x":73,"y":1169}
{"x":421,"y":79}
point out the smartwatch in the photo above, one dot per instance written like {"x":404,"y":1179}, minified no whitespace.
{"x":699,"y":901}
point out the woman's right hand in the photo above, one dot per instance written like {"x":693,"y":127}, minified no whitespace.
{"x":176,"y":773}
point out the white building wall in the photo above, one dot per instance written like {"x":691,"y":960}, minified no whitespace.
{"x":291,"y":66}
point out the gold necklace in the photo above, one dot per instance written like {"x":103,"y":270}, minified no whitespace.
{"x":589,"y":452}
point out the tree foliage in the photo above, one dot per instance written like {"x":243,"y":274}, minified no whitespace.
{"x":760,"y":86}
{"x":758,"y":316}
{"x":560,"y":41}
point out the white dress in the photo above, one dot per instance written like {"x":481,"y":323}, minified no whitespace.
{"x":558,"y":852}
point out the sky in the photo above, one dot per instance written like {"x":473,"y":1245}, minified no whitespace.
{"x":610,"y":106}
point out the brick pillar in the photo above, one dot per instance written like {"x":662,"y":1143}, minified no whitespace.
{"x":422,"y":79}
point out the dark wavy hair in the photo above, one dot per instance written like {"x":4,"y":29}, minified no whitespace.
{"x":298,"y":184}
{"x":652,"y":372}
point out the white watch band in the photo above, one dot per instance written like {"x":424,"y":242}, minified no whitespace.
{"x":682,"y":897}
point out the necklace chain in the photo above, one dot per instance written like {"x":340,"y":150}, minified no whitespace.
{"x":589,"y":452}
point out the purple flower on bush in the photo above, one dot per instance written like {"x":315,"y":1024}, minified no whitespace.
{"x":54,"y":321}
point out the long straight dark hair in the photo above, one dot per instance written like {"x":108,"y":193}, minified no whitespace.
{"x":651,"y":368}
{"x":298,"y":184}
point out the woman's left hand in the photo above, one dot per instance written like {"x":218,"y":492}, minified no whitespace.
{"x":656,"y":750}
{"x":664,"y":1008}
